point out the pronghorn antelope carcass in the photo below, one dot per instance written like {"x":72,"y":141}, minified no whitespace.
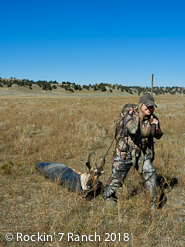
{"x":74,"y":180}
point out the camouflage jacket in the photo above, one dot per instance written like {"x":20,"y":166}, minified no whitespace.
{"x":133,"y":131}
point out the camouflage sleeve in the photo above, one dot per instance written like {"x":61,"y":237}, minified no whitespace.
{"x":158,"y":133}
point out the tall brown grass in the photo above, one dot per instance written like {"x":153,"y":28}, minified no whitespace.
{"x":66,"y":130}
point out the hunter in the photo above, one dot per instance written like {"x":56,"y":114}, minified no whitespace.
{"x":135,"y":128}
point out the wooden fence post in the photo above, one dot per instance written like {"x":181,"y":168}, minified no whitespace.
{"x":152,"y":84}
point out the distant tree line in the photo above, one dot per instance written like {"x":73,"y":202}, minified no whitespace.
{"x":25,"y":82}
{"x":103,"y":87}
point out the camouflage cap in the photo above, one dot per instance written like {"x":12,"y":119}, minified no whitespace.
{"x":148,"y":100}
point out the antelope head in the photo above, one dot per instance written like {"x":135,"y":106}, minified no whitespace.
{"x":89,"y":180}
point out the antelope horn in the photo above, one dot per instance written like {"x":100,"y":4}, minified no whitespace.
{"x":88,"y":162}
{"x":96,"y":166}
{"x":102,"y":165}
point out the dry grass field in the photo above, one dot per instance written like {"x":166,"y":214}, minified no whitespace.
{"x":66,"y":130}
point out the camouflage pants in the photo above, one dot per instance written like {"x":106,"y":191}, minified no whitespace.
{"x":121,"y":167}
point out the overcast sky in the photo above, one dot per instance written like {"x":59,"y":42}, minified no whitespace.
{"x":90,"y":41}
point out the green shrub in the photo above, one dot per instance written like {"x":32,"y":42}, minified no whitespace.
{"x":6,"y":168}
{"x":9,"y":84}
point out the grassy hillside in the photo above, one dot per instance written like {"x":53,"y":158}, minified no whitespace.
{"x":68,"y":87}
{"x":66,"y":130}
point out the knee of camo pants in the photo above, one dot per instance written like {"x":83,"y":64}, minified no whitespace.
{"x":150,"y":176}
{"x":120,"y":168}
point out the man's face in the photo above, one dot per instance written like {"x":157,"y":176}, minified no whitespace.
{"x":147,"y":111}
